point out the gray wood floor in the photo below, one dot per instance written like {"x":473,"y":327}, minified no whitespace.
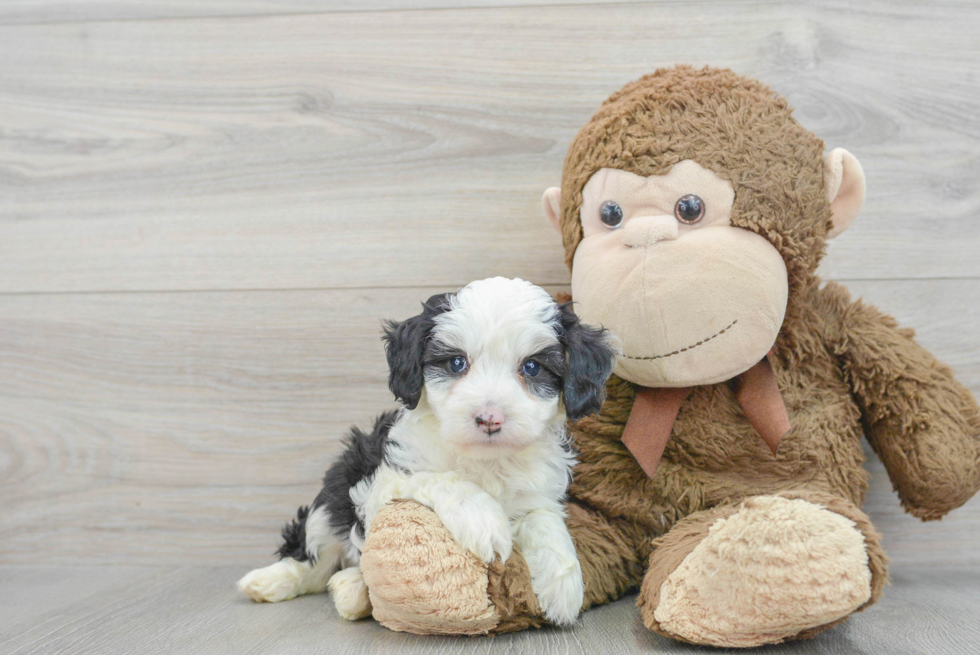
{"x":206,"y":207}
{"x":146,"y":610}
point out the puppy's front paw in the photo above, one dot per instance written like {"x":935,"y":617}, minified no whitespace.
{"x":501,"y":539}
{"x":480,"y":526}
{"x":560,"y":596}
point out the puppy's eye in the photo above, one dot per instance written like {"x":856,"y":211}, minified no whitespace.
{"x":689,"y":209}
{"x":531,"y":368}
{"x":611,"y":214}
{"x":458,"y":364}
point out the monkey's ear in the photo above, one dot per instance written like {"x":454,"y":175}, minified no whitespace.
{"x":551,"y":201}
{"x":405,"y":346}
{"x":843,"y":179}
{"x":591,"y":360}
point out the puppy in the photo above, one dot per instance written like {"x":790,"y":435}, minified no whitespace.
{"x":487,"y":376}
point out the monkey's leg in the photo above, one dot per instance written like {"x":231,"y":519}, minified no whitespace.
{"x":770,"y":569}
{"x":420,"y":580}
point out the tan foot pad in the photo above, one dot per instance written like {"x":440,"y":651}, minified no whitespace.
{"x":420,"y":580}
{"x":768,"y":572}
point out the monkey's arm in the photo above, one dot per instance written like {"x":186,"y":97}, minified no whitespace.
{"x":923,"y":424}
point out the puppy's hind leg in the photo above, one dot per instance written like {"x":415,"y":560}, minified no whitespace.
{"x":296,"y":573}
{"x":285,"y":579}
{"x":350,"y":594}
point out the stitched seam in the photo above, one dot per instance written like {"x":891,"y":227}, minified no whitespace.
{"x":686,"y":348}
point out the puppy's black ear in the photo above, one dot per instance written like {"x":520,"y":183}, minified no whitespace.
{"x":404,"y":347}
{"x":591,"y":360}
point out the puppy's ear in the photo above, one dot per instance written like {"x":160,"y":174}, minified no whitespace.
{"x":591,"y":360}
{"x":404,"y":347}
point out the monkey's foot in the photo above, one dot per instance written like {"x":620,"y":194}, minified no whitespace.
{"x":421,"y":580}
{"x":770,"y":569}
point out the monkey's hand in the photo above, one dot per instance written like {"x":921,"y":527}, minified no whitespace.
{"x":922,"y":423}
{"x":422,"y":580}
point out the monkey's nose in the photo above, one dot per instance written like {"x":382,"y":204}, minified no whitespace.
{"x":644,"y":230}
{"x":489,"y":421}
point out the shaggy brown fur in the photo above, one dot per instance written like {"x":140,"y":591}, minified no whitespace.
{"x":512,"y":596}
{"x":845,"y":370}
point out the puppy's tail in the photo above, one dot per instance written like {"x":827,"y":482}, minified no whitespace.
{"x":294,"y":536}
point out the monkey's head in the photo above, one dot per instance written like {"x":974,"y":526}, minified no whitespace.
{"x":694,"y":209}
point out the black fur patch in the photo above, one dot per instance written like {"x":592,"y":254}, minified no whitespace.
{"x":294,"y":537}
{"x":437,"y":362}
{"x":405,"y":348}
{"x":361,"y":457}
{"x":548,"y":382}
{"x":590,"y":363}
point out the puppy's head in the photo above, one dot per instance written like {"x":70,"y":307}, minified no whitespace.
{"x":500,"y":364}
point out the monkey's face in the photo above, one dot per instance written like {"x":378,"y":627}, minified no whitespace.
{"x":693,"y":299}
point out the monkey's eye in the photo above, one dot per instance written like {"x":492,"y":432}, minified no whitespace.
{"x":531,"y":368}
{"x":611,"y":214}
{"x":689,"y":209}
{"x":457,"y":364}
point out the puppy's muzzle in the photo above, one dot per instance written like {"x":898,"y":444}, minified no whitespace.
{"x":489,"y":421}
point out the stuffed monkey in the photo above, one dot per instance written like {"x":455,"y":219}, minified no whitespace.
{"x":723,"y":476}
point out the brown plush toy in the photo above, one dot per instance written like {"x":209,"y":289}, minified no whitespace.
{"x":723,"y":476}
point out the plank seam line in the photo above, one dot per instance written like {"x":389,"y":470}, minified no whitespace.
{"x":435,"y":285}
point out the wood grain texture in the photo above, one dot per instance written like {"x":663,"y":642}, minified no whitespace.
{"x":123,"y":610}
{"x":206,"y":207}
{"x":160,"y":428}
{"x":357,"y":149}
{"x":145,"y":426}
{"x":72,"y":11}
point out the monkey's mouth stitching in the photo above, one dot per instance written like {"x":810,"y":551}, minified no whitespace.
{"x":686,"y":348}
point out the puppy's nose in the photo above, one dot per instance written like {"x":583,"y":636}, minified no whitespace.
{"x":645,"y":230}
{"x":489,"y":421}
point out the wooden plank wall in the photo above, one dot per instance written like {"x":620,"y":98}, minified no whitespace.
{"x":206,"y":207}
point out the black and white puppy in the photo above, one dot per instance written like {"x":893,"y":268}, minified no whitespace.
{"x":488,"y":376}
